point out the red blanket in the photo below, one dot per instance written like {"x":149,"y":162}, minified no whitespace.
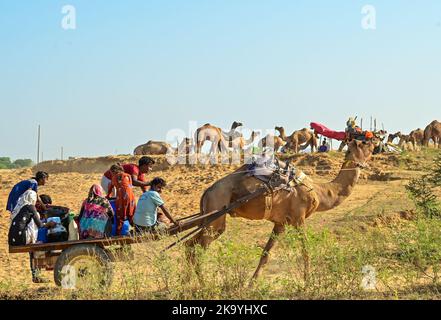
{"x":324,"y":131}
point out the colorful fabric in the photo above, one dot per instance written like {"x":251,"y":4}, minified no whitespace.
{"x":146,"y":214}
{"x":125,"y":199}
{"x":96,"y":215}
{"x":18,"y":190}
{"x":25,"y":220}
{"x":324,"y":131}
{"x":131,"y":169}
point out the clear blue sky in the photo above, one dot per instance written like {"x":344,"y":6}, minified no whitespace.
{"x":132,"y":70}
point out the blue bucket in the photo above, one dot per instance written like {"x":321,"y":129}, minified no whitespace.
{"x":126,"y":226}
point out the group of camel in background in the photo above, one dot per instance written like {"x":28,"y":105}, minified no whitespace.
{"x":233,"y":141}
{"x":289,"y":206}
{"x":223,"y":142}
{"x":419,"y":137}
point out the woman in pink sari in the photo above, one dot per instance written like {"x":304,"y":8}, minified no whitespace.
{"x":96,"y":215}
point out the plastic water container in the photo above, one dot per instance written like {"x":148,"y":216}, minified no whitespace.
{"x":42,"y":235}
{"x":126,"y":226}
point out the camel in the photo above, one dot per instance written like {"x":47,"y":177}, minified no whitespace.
{"x":271,"y":141}
{"x":214,"y":134}
{"x":239,"y":143}
{"x":416,"y":137}
{"x":162,"y":148}
{"x":433,"y":131}
{"x":289,"y":207}
{"x":299,"y":140}
{"x":152,"y":148}
{"x":404,"y":139}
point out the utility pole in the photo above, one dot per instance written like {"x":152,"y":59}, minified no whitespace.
{"x":62,"y":153}
{"x":371,"y":124}
{"x":38,"y":144}
{"x":361,"y":123}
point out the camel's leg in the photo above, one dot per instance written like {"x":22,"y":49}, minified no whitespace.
{"x":342,"y":146}
{"x":278,"y":229}
{"x":210,"y":202}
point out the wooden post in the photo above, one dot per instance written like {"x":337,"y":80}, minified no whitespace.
{"x":361,"y":123}
{"x":62,"y":153}
{"x":38,"y":144}
{"x":371,"y":124}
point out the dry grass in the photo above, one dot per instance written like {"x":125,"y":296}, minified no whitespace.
{"x":374,"y":227}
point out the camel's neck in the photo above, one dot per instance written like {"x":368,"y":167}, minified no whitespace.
{"x":332,"y":194}
{"x":282,"y":134}
{"x":251,"y":139}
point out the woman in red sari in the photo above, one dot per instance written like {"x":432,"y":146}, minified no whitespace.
{"x":125,"y":198}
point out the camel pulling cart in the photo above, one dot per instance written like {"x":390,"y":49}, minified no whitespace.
{"x":88,"y":262}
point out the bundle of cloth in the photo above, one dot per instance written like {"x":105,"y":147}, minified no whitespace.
{"x":326,"y":132}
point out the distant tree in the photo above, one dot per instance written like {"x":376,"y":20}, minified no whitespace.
{"x":23,"y":163}
{"x":5,"y":163}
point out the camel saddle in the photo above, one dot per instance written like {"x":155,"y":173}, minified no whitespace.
{"x":275,"y":173}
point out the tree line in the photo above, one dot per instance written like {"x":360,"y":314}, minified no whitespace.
{"x":6,"y":163}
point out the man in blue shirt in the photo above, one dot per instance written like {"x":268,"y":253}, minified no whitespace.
{"x":40,"y":179}
{"x":146,"y":214}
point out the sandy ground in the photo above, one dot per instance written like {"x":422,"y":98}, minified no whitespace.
{"x":182,"y":195}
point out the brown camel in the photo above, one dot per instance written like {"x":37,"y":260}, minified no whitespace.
{"x":404,"y":139}
{"x":152,"y":148}
{"x":214,"y":134}
{"x":433,"y":131}
{"x":416,"y":137}
{"x":289,"y":207}
{"x":239,"y":143}
{"x":271,"y":141}
{"x":299,"y":140}
{"x":162,"y":148}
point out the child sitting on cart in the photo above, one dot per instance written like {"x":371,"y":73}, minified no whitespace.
{"x":146,"y":214}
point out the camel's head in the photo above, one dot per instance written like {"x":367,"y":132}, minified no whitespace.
{"x":236,"y":125}
{"x":280,"y":129}
{"x":255,"y":135}
{"x":360,"y":152}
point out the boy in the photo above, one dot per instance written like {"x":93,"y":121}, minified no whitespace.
{"x":146,"y":214}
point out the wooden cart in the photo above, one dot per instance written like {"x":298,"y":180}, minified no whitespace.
{"x":88,"y":262}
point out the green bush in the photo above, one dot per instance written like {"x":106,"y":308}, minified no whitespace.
{"x":5,"y":163}
{"x":421,"y":191}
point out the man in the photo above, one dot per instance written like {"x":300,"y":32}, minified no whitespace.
{"x":324,"y":147}
{"x":146,"y":217}
{"x":137,"y":172}
{"x":20,"y":188}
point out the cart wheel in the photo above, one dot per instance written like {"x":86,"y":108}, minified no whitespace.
{"x":83,"y":266}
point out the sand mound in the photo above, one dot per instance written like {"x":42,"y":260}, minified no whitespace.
{"x":95,"y":165}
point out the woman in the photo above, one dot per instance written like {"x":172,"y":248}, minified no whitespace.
{"x":96,"y":215}
{"x":25,"y":221}
{"x":125,"y":198}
